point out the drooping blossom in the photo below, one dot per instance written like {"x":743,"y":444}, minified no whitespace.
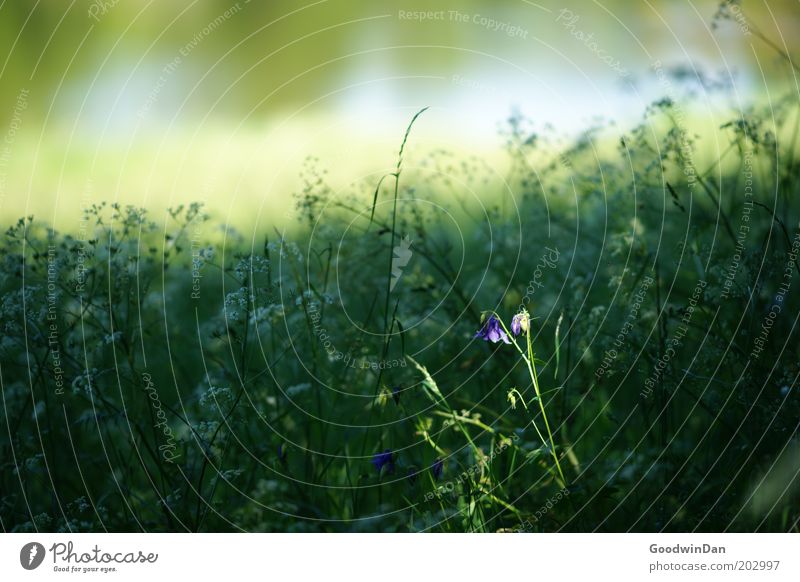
{"x":492,"y":331}
{"x":384,"y":459}
{"x":437,"y":469}
{"x":521,"y":323}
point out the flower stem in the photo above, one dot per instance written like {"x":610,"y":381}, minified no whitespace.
{"x":534,"y":377}
{"x":529,"y":361}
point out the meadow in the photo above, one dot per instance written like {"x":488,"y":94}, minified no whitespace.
{"x":604,"y":342}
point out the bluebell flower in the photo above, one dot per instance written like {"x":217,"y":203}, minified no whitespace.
{"x":492,"y":331}
{"x":411,"y":475}
{"x":520,"y":323}
{"x":384,"y":459}
{"x":437,"y":469}
{"x":396,"y":395}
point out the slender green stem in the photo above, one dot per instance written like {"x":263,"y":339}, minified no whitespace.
{"x":529,"y":361}
{"x":535,"y":378}
{"x":525,"y":406}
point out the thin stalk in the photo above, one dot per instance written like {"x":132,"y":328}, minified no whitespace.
{"x":529,"y":361}
{"x":535,"y":378}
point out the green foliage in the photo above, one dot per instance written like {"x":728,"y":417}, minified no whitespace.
{"x":162,"y":377}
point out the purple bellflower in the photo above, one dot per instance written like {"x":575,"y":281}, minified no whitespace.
{"x":437,"y":469}
{"x":384,"y":459}
{"x":521,"y":323}
{"x":492,"y":331}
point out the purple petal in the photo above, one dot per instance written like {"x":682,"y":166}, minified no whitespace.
{"x":492,"y":332}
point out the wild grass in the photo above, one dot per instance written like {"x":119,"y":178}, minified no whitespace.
{"x":157,"y":378}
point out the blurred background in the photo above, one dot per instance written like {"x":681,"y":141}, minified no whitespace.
{"x":651,"y":146}
{"x":157,"y":104}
